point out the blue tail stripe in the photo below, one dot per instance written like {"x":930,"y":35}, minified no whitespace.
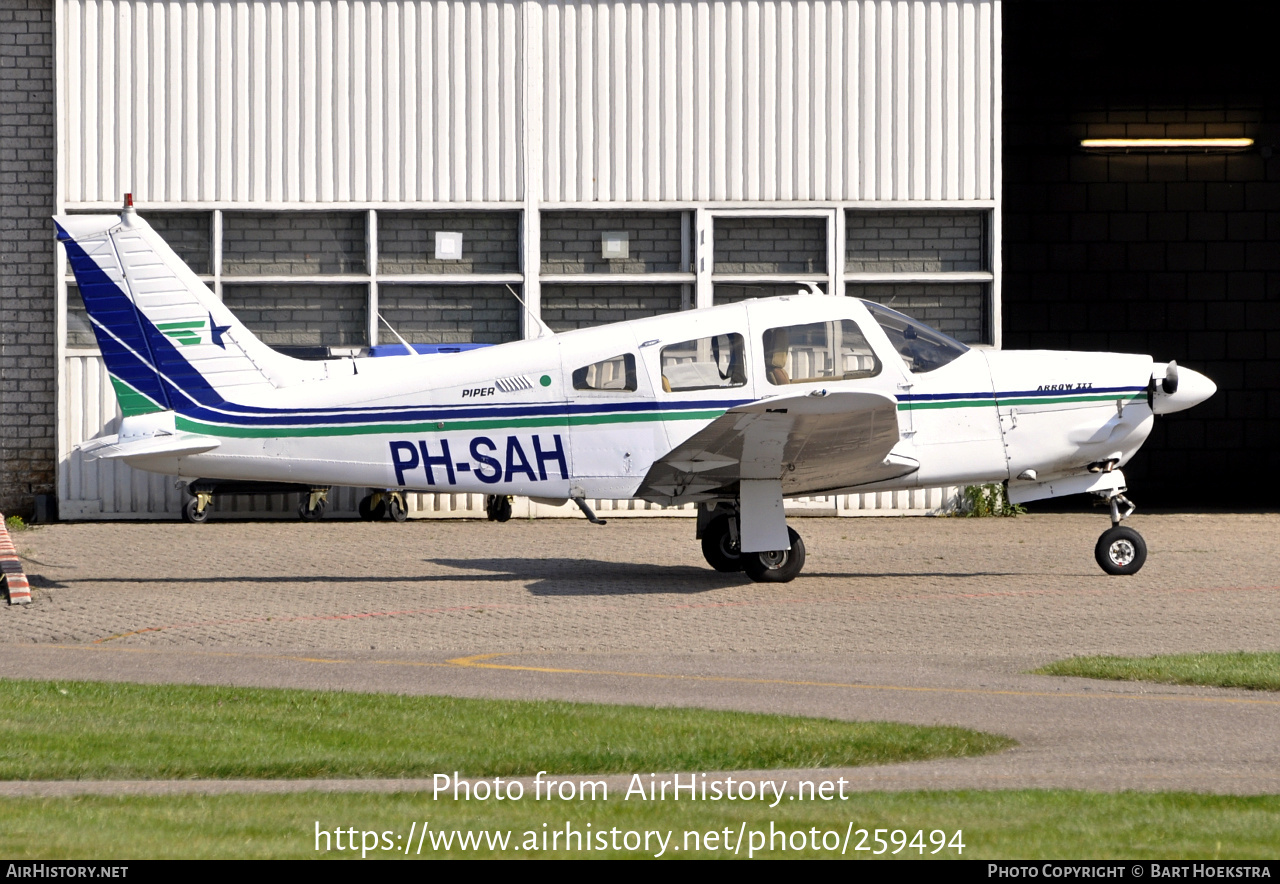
{"x":144,"y":346}
{"x":111,"y":310}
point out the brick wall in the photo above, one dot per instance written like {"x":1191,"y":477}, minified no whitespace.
{"x":958,"y":310}
{"x":903,"y":242}
{"x":188,"y":234}
{"x":566,"y":307}
{"x":571,"y":242}
{"x":298,"y":243}
{"x":770,"y":245}
{"x":490,"y":242}
{"x":449,"y":314}
{"x":1173,"y":255}
{"x":302,"y":315}
{"x":28,"y":370}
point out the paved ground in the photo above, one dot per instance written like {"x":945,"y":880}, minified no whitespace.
{"x":918,"y":620}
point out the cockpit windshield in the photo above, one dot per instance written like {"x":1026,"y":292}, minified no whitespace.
{"x":922,"y":348}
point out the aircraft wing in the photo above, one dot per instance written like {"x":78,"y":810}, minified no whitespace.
{"x":812,"y":443}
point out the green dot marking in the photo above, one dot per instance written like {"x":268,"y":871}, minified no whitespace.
{"x":545,"y":380}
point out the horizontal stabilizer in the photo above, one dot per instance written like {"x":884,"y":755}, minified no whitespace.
{"x":111,"y":448}
{"x":148,"y":435}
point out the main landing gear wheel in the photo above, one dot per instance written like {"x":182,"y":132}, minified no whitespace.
{"x":194,"y":513}
{"x":1121,"y":550}
{"x":370,"y":511}
{"x":777,"y":566}
{"x":719,"y":547}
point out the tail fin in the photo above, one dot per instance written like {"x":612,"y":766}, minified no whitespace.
{"x":168,"y":342}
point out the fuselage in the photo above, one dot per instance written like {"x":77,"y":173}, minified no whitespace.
{"x":588,"y":412}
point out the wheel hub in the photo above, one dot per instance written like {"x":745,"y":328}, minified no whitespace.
{"x":1122,"y":552}
{"x":774,"y":559}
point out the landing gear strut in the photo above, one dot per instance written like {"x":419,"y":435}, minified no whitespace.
{"x":1120,"y":550}
{"x":721,"y":549}
{"x":720,"y":544}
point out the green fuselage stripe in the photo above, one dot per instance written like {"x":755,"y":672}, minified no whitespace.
{"x":1029,"y":400}
{"x":446,"y":426}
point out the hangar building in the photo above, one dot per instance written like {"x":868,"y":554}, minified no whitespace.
{"x":325,"y":163}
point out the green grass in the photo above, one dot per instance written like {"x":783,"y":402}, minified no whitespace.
{"x":1006,"y":825}
{"x":93,"y":730}
{"x":1259,"y":672}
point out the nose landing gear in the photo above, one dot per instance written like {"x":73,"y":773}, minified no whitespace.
{"x":1120,"y":550}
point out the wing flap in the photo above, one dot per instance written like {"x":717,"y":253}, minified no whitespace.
{"x":811,"y":443}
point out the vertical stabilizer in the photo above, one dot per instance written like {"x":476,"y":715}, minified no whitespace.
{"x":168,"y":342}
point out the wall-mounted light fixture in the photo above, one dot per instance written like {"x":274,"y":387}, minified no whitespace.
{"x":614,"y":245}
{"x":448,"y":246}
{"x":1166,"y":145}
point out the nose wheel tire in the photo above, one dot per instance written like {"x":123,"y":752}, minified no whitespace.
{"x":776,"y":566}
{"x":1120,"y":550}
{"x":192,"y":512}
{"x":719,"y":548}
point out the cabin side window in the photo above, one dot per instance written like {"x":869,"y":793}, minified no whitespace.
{"x":817,"y":352}
{"x":618,"y":373}
{"x":704,"y":364}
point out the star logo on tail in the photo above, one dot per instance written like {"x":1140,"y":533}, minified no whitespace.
{"x":215,"y":332}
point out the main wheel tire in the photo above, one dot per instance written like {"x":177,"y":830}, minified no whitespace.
{"x":311,"y":515}
{"x":192,"y":512}
{"x":1120,"y":550}
{"x":778,"y":566}
{"x":718,"y":547}
{"x":395,"y":506}
{"x":368,"y":511}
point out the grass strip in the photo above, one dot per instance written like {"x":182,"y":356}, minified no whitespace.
{"x":1255,"y":671}
{"x":993,"y":825}
{"x":103,"y":730}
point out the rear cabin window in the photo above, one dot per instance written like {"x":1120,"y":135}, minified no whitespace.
{"x":617,"y":373}
{"x":704,"y":364}
{"x":922,"y":348}
{"x":817,"y":352}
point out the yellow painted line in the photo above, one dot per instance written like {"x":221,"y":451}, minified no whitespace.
{"x":478,"y":661}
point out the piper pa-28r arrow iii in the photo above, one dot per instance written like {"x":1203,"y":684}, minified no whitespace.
{"x":734,"y":408}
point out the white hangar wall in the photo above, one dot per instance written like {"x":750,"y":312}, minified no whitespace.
{"x":323,"y":101}
{"x":747,"y":146}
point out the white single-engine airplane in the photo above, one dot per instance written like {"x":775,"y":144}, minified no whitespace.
{"x":734,"y":407}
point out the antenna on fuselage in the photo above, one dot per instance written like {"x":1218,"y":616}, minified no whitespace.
{"x":543,"y":328}
{"x":412,"y":352}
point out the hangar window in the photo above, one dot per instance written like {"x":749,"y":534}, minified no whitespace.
{"x":617,"y":373}
{"x":704,"y":364}
{"x":818,"y":351}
